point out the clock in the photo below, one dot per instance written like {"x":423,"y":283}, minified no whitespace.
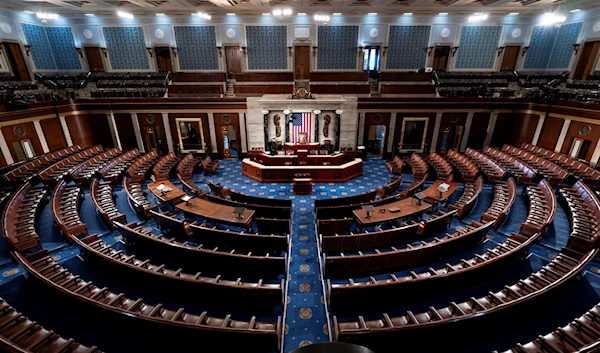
{"x":230,"y":33}
{"x":87,"y":33}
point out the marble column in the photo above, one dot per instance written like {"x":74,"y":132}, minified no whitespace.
{"x":112,"y":125}
{"x":213,"y":134}
{"x":40,"y":133}
{"x":65,"y":128}
{"x":490,"y":129}
{"x":436,"y":131}
{"x":5,"y":151}
{"x":465,"y":138}
{"x":390,"y":134}
{"x":538,"y":130}
{"x":562,"y":136}
{"x":244,"y":143}
{"x":165,"y":117}
{"x":138,"y":132}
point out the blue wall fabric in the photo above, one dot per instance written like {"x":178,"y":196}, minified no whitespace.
{"x":337,"y":47}
{"x":407,"y":47}
{"x":478,"y":46}
{"x":196,"y":47}
{"x":63,"y":47}
{"x":41,"y":51}
{"x":267,"y":47}
{"x":540,"y":47}
{"x":562,"y":51}
{"x":126,"y":48}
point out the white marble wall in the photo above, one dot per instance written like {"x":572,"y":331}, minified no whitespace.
{"x":325,"y":103}
{"x":332,"y":126}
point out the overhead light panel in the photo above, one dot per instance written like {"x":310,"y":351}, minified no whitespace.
{"x":266,"y":14}
{"x":90,"y":15}
{"x":337,"y":14}
{"x":204,"y":15}
{"x":372,"y":14}
{"x":407,"y":14}
{"x":321,"y":18}
{"x":551,"y":18}
{"x":513,"y":14}
{"x":29,"y":12}
{"x":443,"y":13}
{"x":160,"y":14}
{"x":282,"y":12}
{"x":230,"y":14}
{"x":576,"y":10}
{"x":124,"y":15}
{"x":478,"y":17}
{"x":47,"y":16}
{"x":301,"y":13}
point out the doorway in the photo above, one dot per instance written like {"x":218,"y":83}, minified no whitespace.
{"x":375,"y":140}
{"x":509,"y":60}
{"x":441,"y":54}
{"x":94,"y":59}
{"x":163,"y":59}
{"x":16,"y":60}
{"x":301,"y":62}
{"x":371,"y":59}
{"x":587,"y":60}
{"x":233,"y":60}
{"x":230,"y":143}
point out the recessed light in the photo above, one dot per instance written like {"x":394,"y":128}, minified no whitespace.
{"x":266,"y":14}
{"x":372,"y":14}
{"x":337,"y":13}
{"x":160,"y":14}
{"x":576,"y":10}
{"x":407,"y":14}
{"x":90,"y":15}
{"x":124,"y":15}
{"x":230,"y":14}
{"x":513,"y":14}
{"x":29,"y":12}
{"x":443,"y":13}
{"x":301,"y":13}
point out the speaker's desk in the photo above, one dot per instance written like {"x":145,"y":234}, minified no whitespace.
{"x":216,"y":212}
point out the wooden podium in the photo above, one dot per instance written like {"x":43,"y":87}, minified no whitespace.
{"x":302,"y":186}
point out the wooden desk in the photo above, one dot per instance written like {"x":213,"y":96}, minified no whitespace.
{"x":302,"y":186}
{"x":172,"y":197}
{"x":216,"y":212}
{"x":318,"y":173}
{"x":408,"y":207}
{"x":433,"y":194}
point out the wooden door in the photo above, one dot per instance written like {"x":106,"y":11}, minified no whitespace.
{"x":94,"y":59}
{"x":301,"y":62}
{"x":17,"y":61}
{"x":509,"y":60}
{"x":440,"y":58}
{"x":163,"y":59}
{"x":226,"y":141}
{"x":233,"y":60}
{"x":587,"y":60}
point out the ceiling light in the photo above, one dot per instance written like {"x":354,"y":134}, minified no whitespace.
{"x":204,"y":15}
{"x":477,"y":17}
{"x":47,"y":16}
{"x":372,"y":14}
{"x":301,"y":13}
{"x":337,"y":14}
{"x":29,"y":12}
{"x":90,"y":15}
{"x":513,"y":14}
{"x":576,"y":10}
{"x":160,"y":14}
{"x":443,"y":13}
{"x":124,"y":15}
{"x":550,"y":18}
{"x":321,"y":18}
{"x":407,"y":14}
{"x":230,"y":14}
{"x":287,"y":12}
{"x":266,"y":14}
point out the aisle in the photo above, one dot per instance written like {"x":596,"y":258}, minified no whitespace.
{"x":306,"y":318}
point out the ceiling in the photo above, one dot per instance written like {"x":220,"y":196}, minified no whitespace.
{"x":77,"y":8}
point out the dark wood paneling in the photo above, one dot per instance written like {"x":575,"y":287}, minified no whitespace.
{"x":550,"y":132}
{"x":509,"y":60}
{"x":198,"y":77}
{"x":301,"y":62}
{"x":163,"y":58}
{"x":265,"y":77}
{"x":340,"y":88}
{"x":448,"y":121}
{"x":54,"y":134}
{"x":407,"y":89}
{"x":478,"y":130}
{"x":157,"y":126}
{"x":514,"y":129}
{"x":10,"y":137}
{"x":259,"y":90}
{"x":196,"y":90}
{"x":587,"y":60}
{"x":17,"y":61}
{"x":125,"y":130}
{"x":440,"y":57}
{"x":201,"y":116}
{"x":94,"y":58}
{"x":405,"y":76}
{"x":2,"y":160}
{"x":89,"y":130}
{"x":340,"y":76}
{"x":573,"y":132}
{"x":233,"y":60}
{"x":235,"y":120}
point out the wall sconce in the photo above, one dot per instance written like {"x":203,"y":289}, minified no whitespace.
{"x":220,"y":52}
{"x":104,"y":52}
{"x":149,"y":51}
{"x":290,"y":51}
{"x":360,"y":50}
{"x":429,"y":51}
{"x":314,"y":51}
{"x":79,"y":51}
{"x":576,"y":48}
{"x":174,"y":50}
{"x":454,"y":50}
{"x":499,"y":50}
{"x":525,"y":49}
{"x":27,"y":49}
{"x":244,"y":50}
{"x":385,"y":49}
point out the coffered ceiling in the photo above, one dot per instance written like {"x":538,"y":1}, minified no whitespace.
{"x":75,"y":8}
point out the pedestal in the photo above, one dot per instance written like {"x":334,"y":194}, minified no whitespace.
{"x":302,"y":186}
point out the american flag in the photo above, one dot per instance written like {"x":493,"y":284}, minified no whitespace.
{"x":301,"y":122}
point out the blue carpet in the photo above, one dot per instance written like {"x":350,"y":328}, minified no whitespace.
{"x":122,"y":203}
{"x":89,"y":216}
{"x":558,"y":233}
{"x":47,"y":229}
{"x":517,"y":215}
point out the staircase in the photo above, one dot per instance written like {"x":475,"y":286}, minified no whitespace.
{"x":374,"y":87}
{"x":229,"y":92}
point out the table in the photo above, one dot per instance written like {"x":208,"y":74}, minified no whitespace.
{"x":172,"y":197}
{"x":408,"y":207}
{"x":302,"y":186}
{"x":433,"y":194}
{"x":216,"y":212}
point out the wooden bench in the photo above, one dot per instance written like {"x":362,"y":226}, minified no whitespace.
{"x":65,"y":202}
{"x":141,"y":165}
{"x":102,"y":196}
{"x":504,"y":196}
{"x":467,"y":169}
{"x":162,"y":168}
{"x":19,"y":217}
{"x":185,"y":173}
{"x":468,"y":199}
{"x":209,"y":166}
